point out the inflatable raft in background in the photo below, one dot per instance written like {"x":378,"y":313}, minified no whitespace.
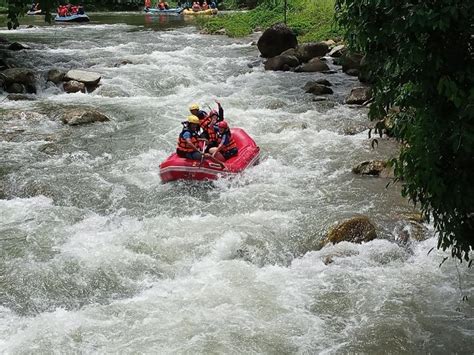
{"x":72,"y":18}
{"x":34,"y":12}
{"x":177,"y":168}
{"x":154,"y":11}
{"x":202,"y":12}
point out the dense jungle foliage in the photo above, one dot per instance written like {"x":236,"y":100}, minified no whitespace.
{"x":421,"y":56}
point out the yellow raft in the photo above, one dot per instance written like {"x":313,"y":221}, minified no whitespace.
{"x":202,"y":12}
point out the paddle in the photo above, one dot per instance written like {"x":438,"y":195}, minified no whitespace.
{"x":202,"y":153}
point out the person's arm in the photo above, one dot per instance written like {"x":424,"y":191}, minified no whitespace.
{"x":221,"y":111}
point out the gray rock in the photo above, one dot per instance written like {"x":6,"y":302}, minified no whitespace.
{"x":86,"y":77}
{"x":352,"y":72}
{"x":359,"y":95}
{"x":307,"y":51}
{"x":314,"y":65}
{"x":19,"y":75}
{"x":75,"y":117}
{"x":372,"y":167}
{"x":72,"y":86}
{"x":15,"y":88}
{"x":16,"y":46}
{"x":318,"y":89}
{"x":275,"y":40}
{"x":281,"y":62}
{"x":337,"y":51}
{"x":20,"y":97}
{"x":56,"y":76}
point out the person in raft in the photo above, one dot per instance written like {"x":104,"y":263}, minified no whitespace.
{"x":147,"y":4}
{"x":162,"y":5}
{"x":226,"y":147}
{"x":194,"y":109}
{"x":188,"y":140}
{"x":209,"y":132}
{"x":196,"y":7}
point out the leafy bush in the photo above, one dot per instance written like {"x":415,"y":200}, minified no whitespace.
{"x":422,"y":60}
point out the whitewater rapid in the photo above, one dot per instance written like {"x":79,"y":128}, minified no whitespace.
{"x":98,"y":256}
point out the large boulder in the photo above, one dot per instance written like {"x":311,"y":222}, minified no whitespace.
{"x":308,"y":51}
{"x":355,"y":230}
{"x":359,"y":95}
{"x":314,"y":65}
{"x":19,"y":75}
{"x":275,"y":40}
{"x":75,"y":117}
{"x":282,"y":62}
{"x":86,"y":77}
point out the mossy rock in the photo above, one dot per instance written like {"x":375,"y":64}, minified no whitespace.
{"x":355,"y":230}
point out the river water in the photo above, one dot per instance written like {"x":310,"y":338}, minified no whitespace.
{"x":98,"y":256}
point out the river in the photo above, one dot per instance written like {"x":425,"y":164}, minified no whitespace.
{"x":98,"y":256}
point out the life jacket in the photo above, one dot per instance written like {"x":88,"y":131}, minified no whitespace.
{"x":183,"y":144}
{"x":209,"y":129}
{"x":63,"y":11}
{"x":226,"y":147}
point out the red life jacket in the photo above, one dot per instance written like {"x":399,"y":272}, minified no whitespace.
{"x":183,"y":144}
{"x":229,"y":146}
{"x":208,"y":127}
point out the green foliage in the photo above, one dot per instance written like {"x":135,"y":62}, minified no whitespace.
{"x":17,"y":8}
{"x":311,"y":20}
{"x":421,"y":54}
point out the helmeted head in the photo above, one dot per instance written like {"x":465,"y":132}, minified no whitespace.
{"x":194,"y":108}
{"x":193,"y":119}
{"x":223,"y":125}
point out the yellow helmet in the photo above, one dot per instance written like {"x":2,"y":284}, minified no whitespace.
{"x":194,"y":107}
{"x":193,"y":119}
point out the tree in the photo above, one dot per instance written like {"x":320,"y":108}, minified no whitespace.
{"x":17,"y":8}
{"x":421,"y":57}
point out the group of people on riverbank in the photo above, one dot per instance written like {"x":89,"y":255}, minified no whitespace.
{"x":206,"y":135}
{"x":69,"y":10}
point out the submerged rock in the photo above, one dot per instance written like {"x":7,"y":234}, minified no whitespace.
{"x":75,"y":117}
{"x":20,"y":97}
{"x":372,"y":167}
{"x":318,"y":89}
{"x":16,"y":46}
{"x":355,"y":230}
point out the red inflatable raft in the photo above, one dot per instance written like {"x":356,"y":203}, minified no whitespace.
{"x":176,"y":168}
